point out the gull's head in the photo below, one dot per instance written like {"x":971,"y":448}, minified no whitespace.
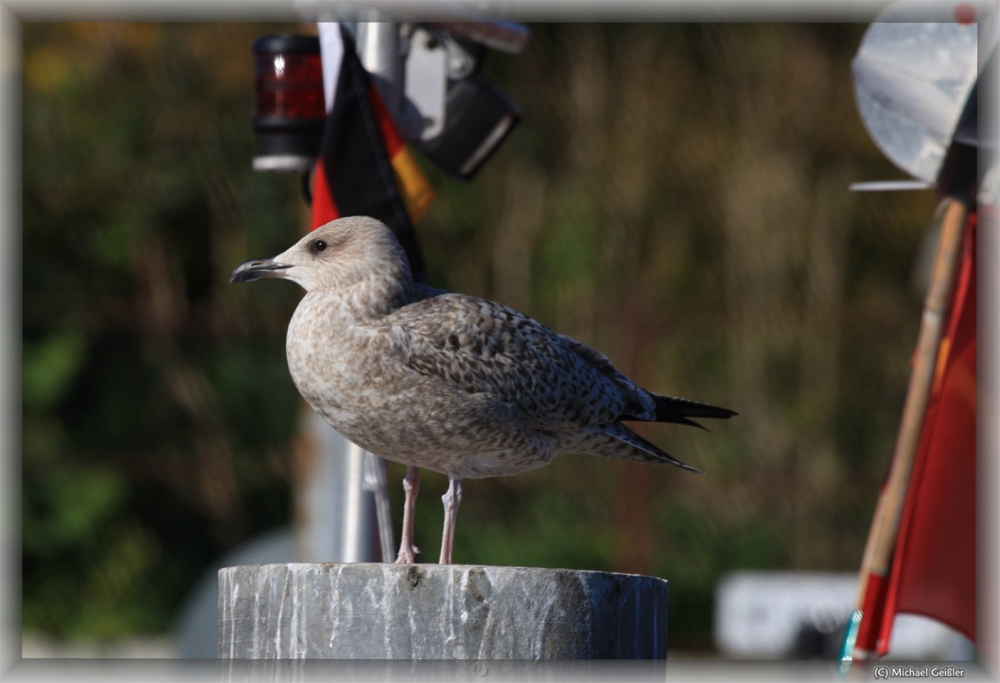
{"x":340,"y":254}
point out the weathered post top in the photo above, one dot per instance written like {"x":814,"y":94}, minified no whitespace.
{"x":430,"y":611}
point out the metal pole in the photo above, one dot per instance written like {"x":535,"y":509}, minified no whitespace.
{"x":335,"y":514}
{"x":378,"y":50}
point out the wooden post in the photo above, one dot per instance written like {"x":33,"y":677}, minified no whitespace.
{"x":877,"y":559}
{"x":430,"y":611}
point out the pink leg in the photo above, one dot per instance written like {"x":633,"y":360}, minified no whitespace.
{"x":411,"y":486}
{"x":451,"y":501}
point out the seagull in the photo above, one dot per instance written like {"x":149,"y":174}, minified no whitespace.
{"x":445,"y":381}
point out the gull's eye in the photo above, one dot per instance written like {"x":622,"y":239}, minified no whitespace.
{"x":319,"y":245}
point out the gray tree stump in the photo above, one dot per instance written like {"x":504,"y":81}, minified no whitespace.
{"x":429,"y":611}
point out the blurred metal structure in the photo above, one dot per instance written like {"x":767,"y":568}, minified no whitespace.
{"x":464,"y":116}
{"x":911,"y":82}
{"x":429,"y":78}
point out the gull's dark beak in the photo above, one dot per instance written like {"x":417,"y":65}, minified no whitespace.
{"x":257,"y":269}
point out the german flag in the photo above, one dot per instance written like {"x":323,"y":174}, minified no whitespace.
{"x":364,"y":167}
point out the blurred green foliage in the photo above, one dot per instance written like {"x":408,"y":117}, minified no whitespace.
{"x":157,"y":407}
{"x":675,"y":196}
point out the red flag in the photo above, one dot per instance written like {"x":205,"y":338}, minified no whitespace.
{"x":365,"y":168}
{"x":934,"y":562}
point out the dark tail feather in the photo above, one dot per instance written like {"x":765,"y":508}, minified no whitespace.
{"x":678,"y":410}
{"x":628,"y":445}
{"x":682,"y":421}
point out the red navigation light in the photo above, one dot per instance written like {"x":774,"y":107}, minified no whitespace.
{"x":289,"y":86}
{"x":288,"y":77}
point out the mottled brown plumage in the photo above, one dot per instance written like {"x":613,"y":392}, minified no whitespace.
{"x":446,"y":381}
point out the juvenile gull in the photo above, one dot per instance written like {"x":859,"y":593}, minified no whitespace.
{"x":450,"y":382}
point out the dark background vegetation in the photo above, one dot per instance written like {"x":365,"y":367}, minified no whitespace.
{"x":676,"y":196}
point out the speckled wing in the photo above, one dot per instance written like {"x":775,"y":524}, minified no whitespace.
{"x":479,"y":346}
{"x":640,"y":403}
